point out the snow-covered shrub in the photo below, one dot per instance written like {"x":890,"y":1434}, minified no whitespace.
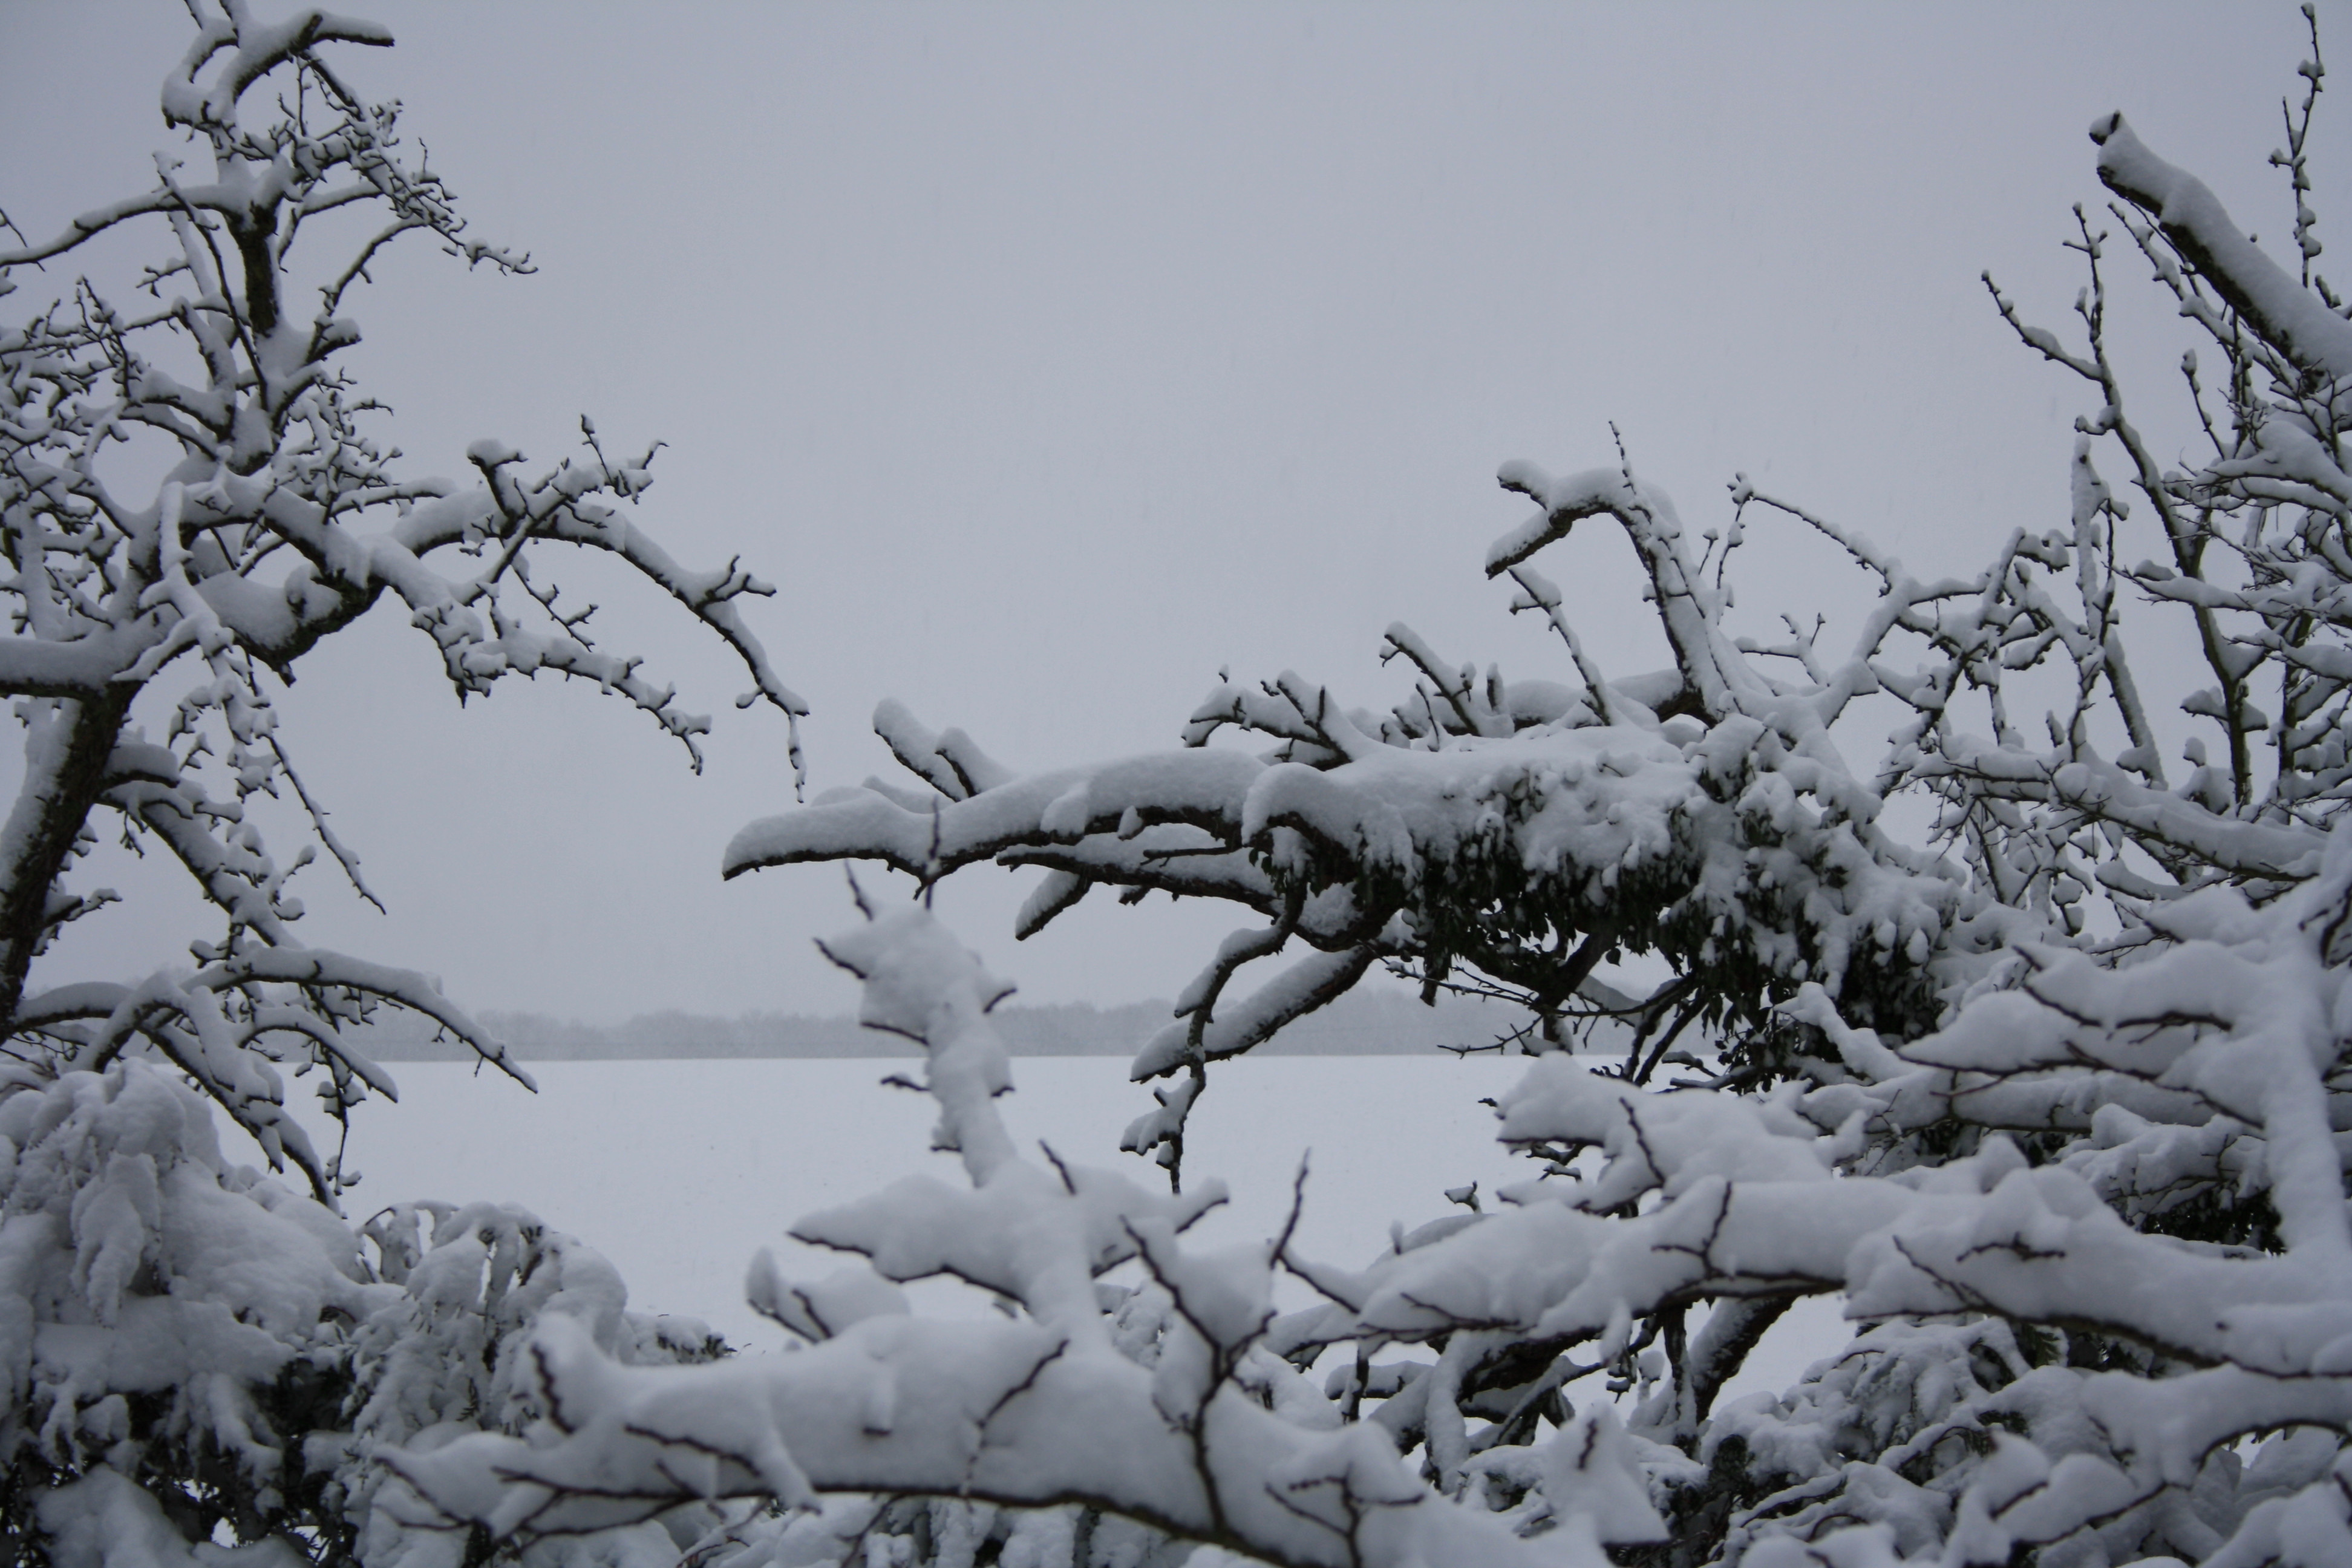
{"x":192,"y":1350}
{"x":279,"y":519}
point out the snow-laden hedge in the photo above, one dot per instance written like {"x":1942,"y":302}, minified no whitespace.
{"x":190,"y":1347}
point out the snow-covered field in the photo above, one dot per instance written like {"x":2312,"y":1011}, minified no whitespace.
{"x":679,"y":1171}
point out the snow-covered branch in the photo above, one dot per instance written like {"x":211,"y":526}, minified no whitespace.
{"x":1169,"y":1425}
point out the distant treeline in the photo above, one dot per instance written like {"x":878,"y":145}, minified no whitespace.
{"x":1360,"y":1023}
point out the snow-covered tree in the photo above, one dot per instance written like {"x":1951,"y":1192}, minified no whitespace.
{"x":2057,"y":1099}
{"x":191,"y":499}
{"x":150,"y":618}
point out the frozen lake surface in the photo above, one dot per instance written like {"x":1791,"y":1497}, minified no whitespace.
{"x":679,"y":1171}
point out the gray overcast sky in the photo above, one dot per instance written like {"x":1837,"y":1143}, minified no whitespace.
{"x":1048,"y":357}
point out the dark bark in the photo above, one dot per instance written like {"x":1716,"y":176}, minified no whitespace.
{"x":95,"y":724}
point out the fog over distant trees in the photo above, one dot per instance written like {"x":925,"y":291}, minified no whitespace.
{"x":1365,"y":1024}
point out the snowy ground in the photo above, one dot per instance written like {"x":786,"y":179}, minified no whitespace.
{"x":678,"y":1171}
